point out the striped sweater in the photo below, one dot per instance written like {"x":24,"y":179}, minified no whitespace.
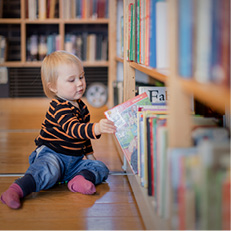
{"x":66,"y":129}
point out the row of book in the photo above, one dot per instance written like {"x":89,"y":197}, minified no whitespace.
{"x":147,"y":33}
{"x":45,"y":9}
{"x":88,"y":46}
{"x":197,"y":178}
{"x":85,"y":9}
{"x":204,"y":40}
{"x":203,"y":37}
{"x":42,"y":9}
{"x":38,"y":46}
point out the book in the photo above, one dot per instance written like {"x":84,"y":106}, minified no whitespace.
{"x":138,"y":31}
{"x":42,"y":9}
{"x":124,"y":117}
{"x":162,"y":146}
{"x":130,"y":7}
{"x":152,"y":34}
{"x":3,"y":49}
{"x":203,"y":40}
{"x":32,"y":9}
{"x":220,"y":49}
{"x":147,"y":31}
{"x":51,"y":12}
{"x":226,"y":225}
{"x":157,"y":95}
{"x":185,"y":41}
{"x":161,"y":35}
{"x":3,"y":75}
{"x":225,"y":44}
{"x":142,"y":31}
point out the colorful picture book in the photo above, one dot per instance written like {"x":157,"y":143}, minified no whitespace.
{"x":124,"y":117}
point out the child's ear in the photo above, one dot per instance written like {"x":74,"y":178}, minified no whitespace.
{"x":52,"y":88}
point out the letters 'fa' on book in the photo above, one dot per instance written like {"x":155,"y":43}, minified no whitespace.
{"x":124,"y":117}
{"x":157,"y":95}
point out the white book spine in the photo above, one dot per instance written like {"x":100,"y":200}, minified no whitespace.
{"x":203,"y":40}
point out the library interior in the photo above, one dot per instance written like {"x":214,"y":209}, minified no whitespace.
{"x":160,"y":71}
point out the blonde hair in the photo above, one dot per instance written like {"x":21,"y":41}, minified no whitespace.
{"x":49,"y":69}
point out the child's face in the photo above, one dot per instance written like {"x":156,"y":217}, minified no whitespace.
{"x":71,"y":83}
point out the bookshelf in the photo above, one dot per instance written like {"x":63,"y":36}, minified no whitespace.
{"x":211,"y":94}
{"x":21,"y":19}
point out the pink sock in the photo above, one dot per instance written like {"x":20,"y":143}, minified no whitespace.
{"x":81,"y":185}
{"x":11,"y":197}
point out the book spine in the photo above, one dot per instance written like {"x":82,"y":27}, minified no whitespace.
{"x":147,"y":30}
{"x":185,"y":54}
{"x":203,"y":40}
{"x":129,"y":31}
{"x":138,"y":32}
{"x":161,"y":35}
{"x":152,"y":41}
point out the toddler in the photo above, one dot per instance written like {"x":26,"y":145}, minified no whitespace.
{"x":65,"y":135}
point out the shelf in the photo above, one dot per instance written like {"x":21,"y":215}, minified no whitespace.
{"x":96,"y":64}
{"x":154,"y":73}
{"x":160,"y":75}
{"x":86,"y":21}
{"x":10,"y":20}
{"x":45,"y":21}
{"x":118,"y":59}
{"x":11,"y":64}
{"x":57,"y":20}
{"x":210,"y":94}
{"x":38,"y":64}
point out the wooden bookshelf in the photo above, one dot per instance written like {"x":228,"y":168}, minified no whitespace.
{"x":60,"y":26}
{"x":181,"y":91}
{"x":152,"y":72}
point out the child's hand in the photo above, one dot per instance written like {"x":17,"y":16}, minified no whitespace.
{"x":105,"y":126}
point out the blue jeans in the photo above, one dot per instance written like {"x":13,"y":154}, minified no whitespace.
{"x":48,"y":167}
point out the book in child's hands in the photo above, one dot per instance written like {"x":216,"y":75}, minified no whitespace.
{"x":124,"y":117}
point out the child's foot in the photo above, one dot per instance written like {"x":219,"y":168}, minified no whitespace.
{"x":11,"y":197}
{"x":81,"y":185}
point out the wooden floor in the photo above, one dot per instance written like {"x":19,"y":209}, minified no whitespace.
{"x":113,"y":207}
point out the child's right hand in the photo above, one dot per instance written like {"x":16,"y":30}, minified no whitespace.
{"x":105,"y":126}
